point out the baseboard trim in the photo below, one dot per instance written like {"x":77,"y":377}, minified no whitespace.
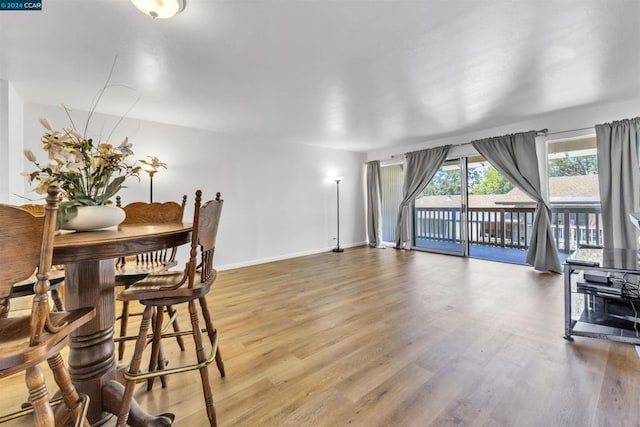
{"x":283,"y":257}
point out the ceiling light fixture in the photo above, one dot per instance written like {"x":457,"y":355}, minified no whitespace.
{"x":161,"y":9}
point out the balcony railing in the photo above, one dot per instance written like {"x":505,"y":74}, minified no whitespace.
{"x":576,"y":225}
{"x":509,"y":227}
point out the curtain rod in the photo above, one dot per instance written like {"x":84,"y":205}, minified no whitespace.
{"x":545,"y":132}
{"x":569,"y":130}
{"x":541,"y":132}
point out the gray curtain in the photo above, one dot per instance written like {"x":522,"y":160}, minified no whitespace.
{"x":617,"y":144}
{"x":420,"y":168}
{"x":374,"y":204}
{"x":514,"y":156}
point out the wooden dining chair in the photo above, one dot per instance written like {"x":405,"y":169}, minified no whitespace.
{"x":131,"y":269}
{"x":25,"y":287}
{"x":177,"y":288}
{"x":26,"y":341}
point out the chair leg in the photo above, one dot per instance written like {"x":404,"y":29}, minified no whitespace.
{"x":204,"y":373}
{"x":219,"y":362}
{"x":39,"y":397}
{"x":176,"y":327}
{"x":69,"y":393}
{"x":134,"y":366}
{"x":156,"y":351}
{"x":211,"y":331}
{"x":57,"y":300}
{"x":124,"y":317}
{"x":161,"y":366}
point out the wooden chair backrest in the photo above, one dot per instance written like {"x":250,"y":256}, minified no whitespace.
{"x":37,"y":210}
{"x":150,"y":213}
{"x":206,"y":219}
{"x":153,"y":213}
{"x":20,"y":242}
{"x":26,"y":243}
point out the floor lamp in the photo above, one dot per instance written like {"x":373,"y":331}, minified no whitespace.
{"x":338,"y":248}
{"x":152,"y":166}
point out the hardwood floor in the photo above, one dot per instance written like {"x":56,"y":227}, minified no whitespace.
{"x":375,"y":337}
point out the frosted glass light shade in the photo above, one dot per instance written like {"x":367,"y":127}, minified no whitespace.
{"x":161,"y":9}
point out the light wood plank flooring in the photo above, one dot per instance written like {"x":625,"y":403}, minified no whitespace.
{"x":376,"y":337}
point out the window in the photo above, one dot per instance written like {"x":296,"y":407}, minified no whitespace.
{"x":574,"y":193}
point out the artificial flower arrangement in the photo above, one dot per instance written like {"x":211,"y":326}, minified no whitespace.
{"x":88,"y":173}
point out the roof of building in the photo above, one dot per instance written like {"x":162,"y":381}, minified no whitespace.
{"x":563,"y":189}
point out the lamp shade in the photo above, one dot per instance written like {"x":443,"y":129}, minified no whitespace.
{"x":150,"y":169}
{"x":161,"y":9}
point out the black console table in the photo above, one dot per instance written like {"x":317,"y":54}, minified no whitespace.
{"x":602,"y":294}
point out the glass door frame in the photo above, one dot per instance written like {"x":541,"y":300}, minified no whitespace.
{"x":464,"y":241}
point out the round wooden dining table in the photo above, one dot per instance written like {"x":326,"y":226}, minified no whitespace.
{"x":90,"y":281}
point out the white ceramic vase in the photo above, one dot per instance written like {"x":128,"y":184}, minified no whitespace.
{"x":94,"y":218}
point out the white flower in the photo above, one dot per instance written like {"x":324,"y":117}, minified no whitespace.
{"x":125,"y":147}
{"x":95,"y":162}
{"x":58,"y":153}
{"x":46,"y":123}
{"x":74,"y":165}
{"x":70,"y":163}
{"x":44,"y":183}
{"x":29,"y":155}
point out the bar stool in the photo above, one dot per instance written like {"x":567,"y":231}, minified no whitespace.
{"x":176,"y":288}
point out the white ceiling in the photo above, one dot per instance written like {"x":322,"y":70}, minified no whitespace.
{"x":357,"y":75}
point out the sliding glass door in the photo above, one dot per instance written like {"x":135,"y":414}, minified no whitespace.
{"x":500,"y":216}
{"x":439,"y":218}
{"x":469,"y":208}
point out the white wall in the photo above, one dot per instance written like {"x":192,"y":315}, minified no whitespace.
{"x":278,"y":202}
{"x":559,"y":121}
{"x":16,"y":144}
{"x":5,"y":161}
{"x":11,"y":133}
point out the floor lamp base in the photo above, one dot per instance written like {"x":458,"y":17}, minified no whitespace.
{"x":338,"y":249}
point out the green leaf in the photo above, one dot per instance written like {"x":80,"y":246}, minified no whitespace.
{"x":66,"y":211}
{"x":83,"y":199}
{"x":111,"y":190}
